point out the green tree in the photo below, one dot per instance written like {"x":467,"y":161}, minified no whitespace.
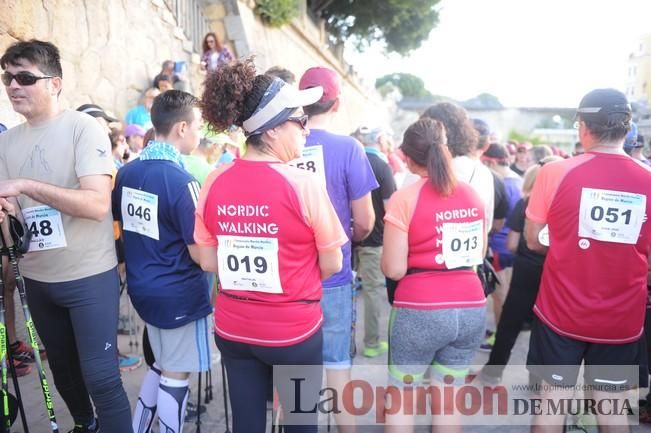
{"x":402,"y":24}
{"x":483,"y":101}
{"x":408,"y":84}
{"x":521,"y":138}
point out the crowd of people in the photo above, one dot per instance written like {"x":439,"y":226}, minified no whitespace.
{"x":248,"y":204}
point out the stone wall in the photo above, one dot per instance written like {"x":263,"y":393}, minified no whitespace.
{"x":296,"y":46}
{"x":110,"y":49}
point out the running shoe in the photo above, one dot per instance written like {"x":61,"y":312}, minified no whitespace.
{"x":22,"y":352}
{"x":191,"y":411}
{"x":374,"y":352}
{"x":488,"y":343}
{"x":488,"y":379}
{"x":86,"y":429}
{"x":123,"y":326}
{"x":21,"y":368}
{"x":129,"y":362}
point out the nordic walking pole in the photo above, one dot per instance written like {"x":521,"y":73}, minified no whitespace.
{"x":8,"y":242}
{"x":3,"y":357}
{"x":208,"y":389}
{"x":10,"y":359}
{"x":198,"y":423}
{"x":19,"y":397}
{"x":224,"y":384}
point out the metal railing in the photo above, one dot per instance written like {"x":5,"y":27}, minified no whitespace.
{"x":190,"y":18}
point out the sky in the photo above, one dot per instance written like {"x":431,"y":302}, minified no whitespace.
{"x":528,"y":53}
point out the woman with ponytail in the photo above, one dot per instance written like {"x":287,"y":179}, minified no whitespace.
{"x":435,"y":233}
{"x":271,"y":234}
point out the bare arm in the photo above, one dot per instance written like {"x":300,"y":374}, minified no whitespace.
{"x":363,"y":217}
{"x":498,"y":224}
{"x":195,"y":254}
{"x":207,"y":258}
{"x":531,"y":231}
{"x":512,"y":240}
{"x":330,"y":262}
{"x":92,"y":200}
{"x":394,"y":253}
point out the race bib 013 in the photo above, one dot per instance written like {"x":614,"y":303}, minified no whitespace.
{"x":247,"y":263}
{"x":46,"y":227}
{"x":140,"y":212}
{"x":611,"y":216}
{"x":463,"y":244}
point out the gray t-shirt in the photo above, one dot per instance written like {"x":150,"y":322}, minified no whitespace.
{"x":59,"y":152}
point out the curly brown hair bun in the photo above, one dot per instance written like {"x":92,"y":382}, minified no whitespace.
{"x":232,"y":93}
{"x":462,"y":136}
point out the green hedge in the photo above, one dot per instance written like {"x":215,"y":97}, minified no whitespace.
{"x":277,"y":13}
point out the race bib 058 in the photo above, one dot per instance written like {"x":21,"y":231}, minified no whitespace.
{"x":311,"y":160}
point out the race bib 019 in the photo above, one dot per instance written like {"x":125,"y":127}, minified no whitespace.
{"x":247,"y":263}
{"x":311,"y":160}
{"x":611,"y":216}
{"x":140,"y":212}
{"x":46,"y":227}
{"x":463,"y":244}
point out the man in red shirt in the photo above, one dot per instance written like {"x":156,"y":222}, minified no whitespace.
{"x":592,"y":296}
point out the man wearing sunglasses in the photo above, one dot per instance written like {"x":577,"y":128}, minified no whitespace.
{"x":55,"y":173}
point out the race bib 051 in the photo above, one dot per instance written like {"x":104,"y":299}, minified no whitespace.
{"x":611,"y":216}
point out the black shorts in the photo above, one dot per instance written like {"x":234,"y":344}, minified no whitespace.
{"x":557,"y":359}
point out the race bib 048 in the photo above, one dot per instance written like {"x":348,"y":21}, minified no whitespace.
{"x":611,"y":216}
{"x":463,"y":244}
{"x":247,"y":263}
{"x":311,"y":160}
{"x":46,"y":227}
{"x":140,"y":212}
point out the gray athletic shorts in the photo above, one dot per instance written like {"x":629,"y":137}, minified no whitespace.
{"x":181,"y":350}
{"x":444,"y":339}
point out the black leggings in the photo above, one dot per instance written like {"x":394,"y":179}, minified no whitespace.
{"x":77,"y":322}
{"x":516,"y":311}
{"x":250,"y":369}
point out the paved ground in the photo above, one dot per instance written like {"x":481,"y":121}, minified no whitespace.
{"x":213,"y":420}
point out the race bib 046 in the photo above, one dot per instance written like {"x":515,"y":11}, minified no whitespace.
{"x":611,"y":216}
{"x":311,"y":160}
{"x":46,"y":227}
{"x":140,"y":212}
{"x":247,"y":263}
{"x":463,"y":244}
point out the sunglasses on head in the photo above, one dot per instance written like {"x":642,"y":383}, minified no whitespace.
{"x":301,"y":120}
{"x":23,"y":78}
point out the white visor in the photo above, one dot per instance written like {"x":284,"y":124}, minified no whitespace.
{"x":287,"y":97}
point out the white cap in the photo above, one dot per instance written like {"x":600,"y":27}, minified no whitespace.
{"x":286,"y":97}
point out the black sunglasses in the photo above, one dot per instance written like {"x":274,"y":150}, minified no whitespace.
{"x":301,"y":120}
{"x":23,"y":78}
